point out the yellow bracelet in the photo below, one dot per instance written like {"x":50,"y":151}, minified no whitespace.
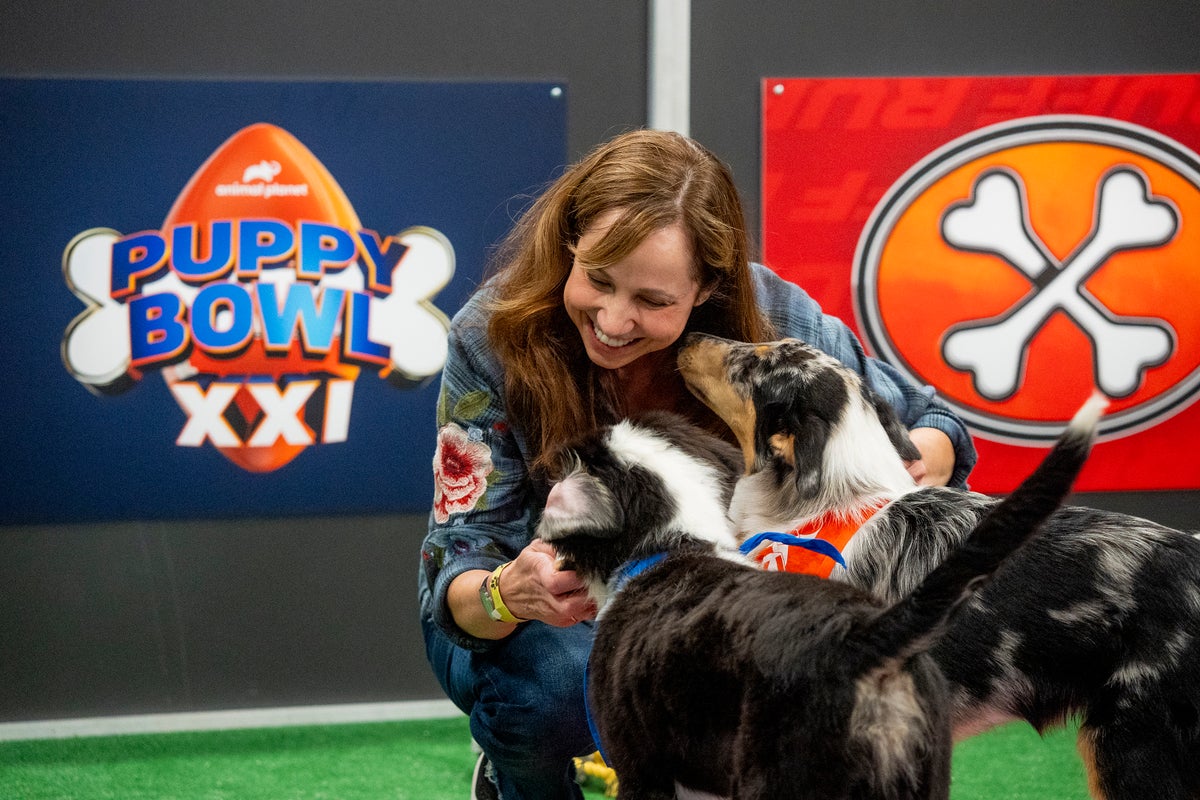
{"x":492,"y":602}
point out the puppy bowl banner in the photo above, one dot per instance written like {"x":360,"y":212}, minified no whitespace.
{"x":1015,"y":242}
{"x":232,"y":298}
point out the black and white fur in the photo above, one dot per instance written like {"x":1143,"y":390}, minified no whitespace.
{"x":723,"y":679}
{"x":1097,"y":619}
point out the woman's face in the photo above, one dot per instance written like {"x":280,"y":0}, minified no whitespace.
{"x":637,"y":305}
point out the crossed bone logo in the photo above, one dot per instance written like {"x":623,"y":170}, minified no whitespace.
{"x":995,"y":220}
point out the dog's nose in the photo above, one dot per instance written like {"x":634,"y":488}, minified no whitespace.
{"x":700,"y":352}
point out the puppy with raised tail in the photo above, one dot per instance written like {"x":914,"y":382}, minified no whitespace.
{"x":1097,"y":620}
{"x":711,"y":676}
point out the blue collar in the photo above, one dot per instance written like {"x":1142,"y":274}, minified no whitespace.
{"x":625,"y":573}
{"x":631,"y":569}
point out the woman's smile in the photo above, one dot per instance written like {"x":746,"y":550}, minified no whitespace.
{"x":610,"y":341}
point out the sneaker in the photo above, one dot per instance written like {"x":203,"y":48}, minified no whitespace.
{"x":482,"y":787}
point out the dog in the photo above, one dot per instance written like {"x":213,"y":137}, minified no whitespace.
{"x":1097,"y":620}
{"x":711,"y":676}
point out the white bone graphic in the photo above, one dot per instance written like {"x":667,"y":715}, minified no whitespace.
{"x":994,"y":221}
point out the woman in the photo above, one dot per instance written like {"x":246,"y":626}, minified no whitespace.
{"x":641,"y":241}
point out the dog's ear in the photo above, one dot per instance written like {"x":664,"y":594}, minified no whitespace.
{"x":896,"y":432}
{"x":579,"y":507}
{"x":809,"y":457}
{"x":771,"y":436}
{"x":795,"y":441}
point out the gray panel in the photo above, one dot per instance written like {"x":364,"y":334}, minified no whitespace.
{"x":598,"y":49}
{"x":735,"y":45}
{"x":145,"y":617}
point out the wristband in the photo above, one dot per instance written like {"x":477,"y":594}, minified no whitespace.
{"x":489,"y":595}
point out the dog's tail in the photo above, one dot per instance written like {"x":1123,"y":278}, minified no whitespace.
{"x":912,"y":624}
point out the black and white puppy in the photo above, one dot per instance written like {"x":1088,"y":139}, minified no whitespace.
{"x":723,"y":679}
{"x":1096,"y":620}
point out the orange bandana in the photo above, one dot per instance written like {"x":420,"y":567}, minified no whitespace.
{"x":813,"y":548}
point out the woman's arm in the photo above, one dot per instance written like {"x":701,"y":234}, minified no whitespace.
{"x":484,"y":511}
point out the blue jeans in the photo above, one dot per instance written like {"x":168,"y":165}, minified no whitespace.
{"x":525,"y":700}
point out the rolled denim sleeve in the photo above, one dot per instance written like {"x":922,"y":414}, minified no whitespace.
{"x":482,"y":511}
{"x":795,"y":314}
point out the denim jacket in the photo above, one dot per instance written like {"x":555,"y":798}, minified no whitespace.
{"x":485,"y":509}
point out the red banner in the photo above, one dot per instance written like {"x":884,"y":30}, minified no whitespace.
{"x":1015,"y":242}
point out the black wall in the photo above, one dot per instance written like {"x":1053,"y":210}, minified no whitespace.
{"x":156,"y":616}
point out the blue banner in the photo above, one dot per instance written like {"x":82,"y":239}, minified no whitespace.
{"x":231,"y":298}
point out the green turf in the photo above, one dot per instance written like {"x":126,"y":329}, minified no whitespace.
{"x":418,"y":760}
{"x":1014,"y":763}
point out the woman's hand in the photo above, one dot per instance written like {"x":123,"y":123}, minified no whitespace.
{"x":532,"y":588}
{"x":936,"y":464}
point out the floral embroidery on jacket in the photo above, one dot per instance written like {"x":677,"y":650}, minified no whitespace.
{"x":461,"y":466}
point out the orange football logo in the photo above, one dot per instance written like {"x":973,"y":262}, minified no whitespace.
{"x":259,"y":301}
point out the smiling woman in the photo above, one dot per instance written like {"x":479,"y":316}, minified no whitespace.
{"x":636,"y":245}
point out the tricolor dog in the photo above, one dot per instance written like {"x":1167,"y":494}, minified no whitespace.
{"x":715,"y":677}
{"x":1096,"y":620}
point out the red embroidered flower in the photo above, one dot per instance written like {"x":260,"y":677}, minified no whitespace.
{"x":460,"y":470}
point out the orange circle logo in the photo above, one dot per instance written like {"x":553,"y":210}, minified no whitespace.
{"x":1025,"y":265}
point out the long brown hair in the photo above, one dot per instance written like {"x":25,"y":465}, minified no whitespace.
{"x":656,"y":179}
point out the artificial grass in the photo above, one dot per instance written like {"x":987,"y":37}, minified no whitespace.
{"x":419,"y":760}
{"x":1013,"y":762}
{"x":416,"y":760}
